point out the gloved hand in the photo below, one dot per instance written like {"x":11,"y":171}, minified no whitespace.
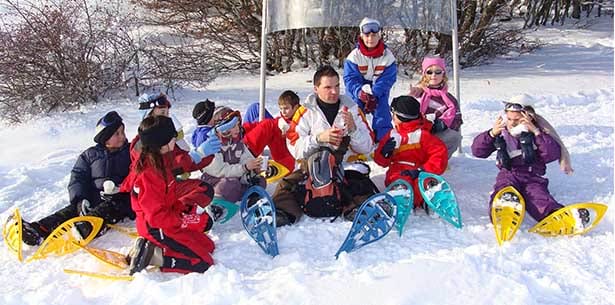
{"x":369,"y":101}
{"x":196,"y":222}
{"x":222,"y":128}
{"x":527,"y":147}
{"x":413,"y":173}
{"x":388,"y":147}
{"x":438,"y":126}
{"x":195,"y":156}
{"x":211,"y":146}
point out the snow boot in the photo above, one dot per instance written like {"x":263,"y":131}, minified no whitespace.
{"x":31,"y":233}
{"x":144,"y":253}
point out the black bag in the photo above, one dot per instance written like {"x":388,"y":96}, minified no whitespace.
{"x":323,"y":196}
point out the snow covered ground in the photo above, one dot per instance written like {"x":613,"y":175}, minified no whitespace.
{"x":569,"y":80}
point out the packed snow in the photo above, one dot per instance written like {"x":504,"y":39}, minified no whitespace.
{"x":569,"y":81}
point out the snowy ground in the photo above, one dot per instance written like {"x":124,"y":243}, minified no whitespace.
{"x":570,"y":81}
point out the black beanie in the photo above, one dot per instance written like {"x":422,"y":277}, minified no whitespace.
{"x":407,"y":108}
{"x":107,"y":126}
{"x":159,"y":133}
{"x":203,"y":111}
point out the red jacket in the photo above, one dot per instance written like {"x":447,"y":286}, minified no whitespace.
{"x":415,"y":148}
{"x":267,"y":133}
{"x":156,"y":202}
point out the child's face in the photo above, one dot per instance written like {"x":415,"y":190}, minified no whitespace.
{"x":117,"y":139}
{"x":287,"y":111}
{"x":371,"y":39}
{"x":435,"y":75}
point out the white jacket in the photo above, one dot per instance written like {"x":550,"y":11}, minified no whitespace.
{"x":309,"y":121}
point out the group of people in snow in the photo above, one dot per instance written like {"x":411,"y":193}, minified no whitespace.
{"x":321,"y":142}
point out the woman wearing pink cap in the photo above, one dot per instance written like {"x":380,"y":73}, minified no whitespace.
{"x":437,"y":104}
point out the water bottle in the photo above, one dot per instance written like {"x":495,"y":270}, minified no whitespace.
{"x":340,"y":124}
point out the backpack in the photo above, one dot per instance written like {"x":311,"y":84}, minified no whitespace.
{"x":323,"y":196}
{"x":358,"y":186}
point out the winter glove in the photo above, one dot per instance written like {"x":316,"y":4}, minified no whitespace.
{"x":502,"y":156}
{"x":527,"y":147}
{"x":211,"y":146}
{"x":438,"y":126}
{"x":196,"y":222}
{"x":414,"y":173}
{"x":369,"y":101}
{"x":387,"y":148}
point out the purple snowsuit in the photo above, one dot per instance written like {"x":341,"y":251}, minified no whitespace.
{"x":527,"y":179}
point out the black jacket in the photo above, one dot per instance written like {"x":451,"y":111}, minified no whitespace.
{"x":93,"y":167}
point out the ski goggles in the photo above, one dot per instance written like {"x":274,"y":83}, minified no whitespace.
{"x":159,"y":101}
{"x":370,"y":28}
{"x":227,"y":118}
{"x":436,"y":72}
{"x":516,"y":107}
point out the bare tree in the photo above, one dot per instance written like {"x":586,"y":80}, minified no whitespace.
{"x":58,"y":55}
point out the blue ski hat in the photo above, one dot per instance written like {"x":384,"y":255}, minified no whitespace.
{"x":107,"y":126}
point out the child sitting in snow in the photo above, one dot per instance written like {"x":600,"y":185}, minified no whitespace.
{"x":523,"y":151}
{"x":272,"y":132}
{"x":108,"y":160}
{"x":410,"y":147}
{"x":233,"y":168}
{"x":167,"y":212}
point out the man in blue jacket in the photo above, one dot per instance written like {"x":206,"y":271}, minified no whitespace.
{"x":370,"y":71}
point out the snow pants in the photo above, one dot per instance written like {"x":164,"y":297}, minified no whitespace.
{"x":451,"y":138}
{"x":538,"y":201}
{"x":230,"y":189}
{"x":381,"y":119}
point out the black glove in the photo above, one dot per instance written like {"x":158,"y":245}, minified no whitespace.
{"x":438,"y":126}
{"x":414,"y":173}
{"x":387,"y":148}
{"x":527,"y":147}
{"x":502,"y":156}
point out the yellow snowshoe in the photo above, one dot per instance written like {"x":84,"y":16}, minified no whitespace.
{"x":11,"y":233}
{"x":62,"y":240}
{"x":571,"y":220}
{"x":507,"y":211}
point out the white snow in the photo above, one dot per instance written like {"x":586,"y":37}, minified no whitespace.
{"x":569,"y":81}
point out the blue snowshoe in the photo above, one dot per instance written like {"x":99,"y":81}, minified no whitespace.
{"x":439,"y":196}
{"x":228,"y":208}
{"x":258,"y":217}
{"x":401,"y":190}
{"x":374,"y":219}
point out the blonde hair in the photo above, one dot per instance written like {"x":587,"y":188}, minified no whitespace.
{"x":424,"y":82}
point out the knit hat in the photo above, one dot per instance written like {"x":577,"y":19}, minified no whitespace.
{"x":147,"y":102}
{"x":431,"y":61}
{"x":203,"y":111}
{"x":371,"y":26}
{"x":407,"y":108}
{"x":107,"y":126}
{"x":160,"y":132}
{"x":220,"y":112}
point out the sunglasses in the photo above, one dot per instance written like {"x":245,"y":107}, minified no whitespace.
{"x":514,"y":107}
{"x":436,"y":72}
{"x":370,"y":28}
{"x":160,"y":101}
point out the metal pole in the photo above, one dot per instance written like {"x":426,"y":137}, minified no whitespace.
{"x":456,"y":60}
{"x":455,"y":48}
{"x":261,"y":100}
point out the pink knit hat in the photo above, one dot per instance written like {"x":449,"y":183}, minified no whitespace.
{"x":431,"y":61}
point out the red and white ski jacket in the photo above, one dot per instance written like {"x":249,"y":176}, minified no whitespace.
{"x":415,"y":148}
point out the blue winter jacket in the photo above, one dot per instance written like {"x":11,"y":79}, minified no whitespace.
{"x":93,"y":167}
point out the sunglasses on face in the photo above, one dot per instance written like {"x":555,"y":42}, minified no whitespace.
{"x":436,"y":72}
{"x":370,"y":28}
{"x":159,"y":101}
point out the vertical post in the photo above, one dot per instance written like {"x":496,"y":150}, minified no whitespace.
{"x":261,"y":99}
{"x":456,"y":60}
{"x":455,"y":48}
